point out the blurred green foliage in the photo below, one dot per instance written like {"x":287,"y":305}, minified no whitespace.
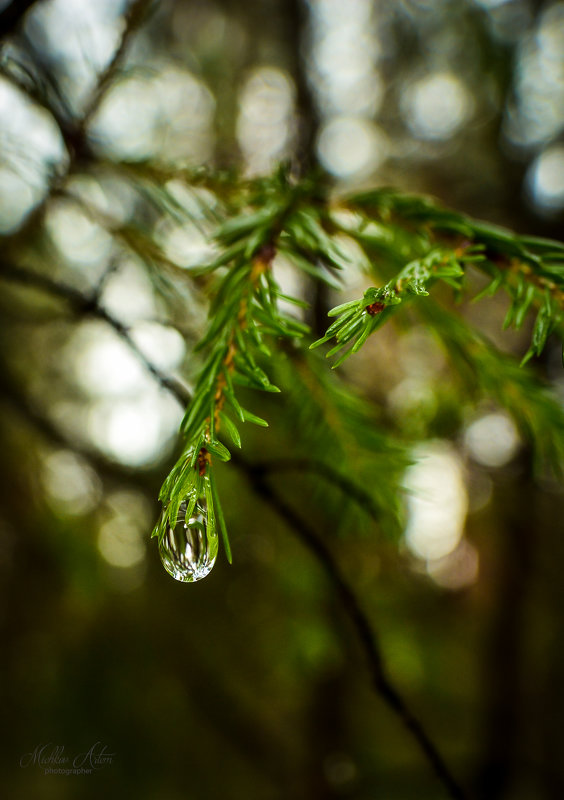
{"x":140,"y":143}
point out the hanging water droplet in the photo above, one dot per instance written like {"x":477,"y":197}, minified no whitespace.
{"x":188,"y":551}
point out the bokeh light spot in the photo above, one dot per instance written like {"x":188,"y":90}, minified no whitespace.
{"x":70,"y":482}
{"x":492,"y":440}
{"x":458,"y":569}
{"x":437,"y":105}
{"x":121,"y":543}
{"x":264,"y":125}
{"x":437,"y":501}
{"x":351,"y":146}
{"x":545,"y":179}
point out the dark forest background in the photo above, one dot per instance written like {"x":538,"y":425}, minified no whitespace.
{"x":252,"y":683}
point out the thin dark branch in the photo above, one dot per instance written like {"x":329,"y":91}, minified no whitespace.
{"x":111,"y":269}
{"x":76,"y":140}
{"x":21,"y":404}
{"x":22,"y":81}
{"x":75,"y":135}
{"x":296,"y":33}
{"x":134,"y":18}
{"x":88,"y":305}
{"x":317,"y":467}
{"x":85,"y":305}
{"x":382,"y":683}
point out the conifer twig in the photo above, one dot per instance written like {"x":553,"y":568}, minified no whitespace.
{"x":383,"y":685}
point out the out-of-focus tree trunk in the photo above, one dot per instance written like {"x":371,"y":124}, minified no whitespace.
{"x":505,"y":662}
{"x":551,"y":687}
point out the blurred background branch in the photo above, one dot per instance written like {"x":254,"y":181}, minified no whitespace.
{"x":381,"y":681}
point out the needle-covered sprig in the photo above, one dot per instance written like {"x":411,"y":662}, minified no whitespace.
{"x":357,"y":319}
{"x":409,"y":242}
{"x":245,"y":313}
{"x":396,"y":228}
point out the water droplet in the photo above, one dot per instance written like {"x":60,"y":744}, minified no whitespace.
{"x":188,"y":551}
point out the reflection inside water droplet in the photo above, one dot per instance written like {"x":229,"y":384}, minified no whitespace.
{"x":188,"y":551}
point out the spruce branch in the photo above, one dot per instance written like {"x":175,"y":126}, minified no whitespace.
{"x":243,"y":314}
{"x":279,"y":215}
{"x":437,"y":243}
{"x":232,"y":340}
{"x":383,"y":684}
{"x":276,"y":216}
{"x":358,"y":319}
